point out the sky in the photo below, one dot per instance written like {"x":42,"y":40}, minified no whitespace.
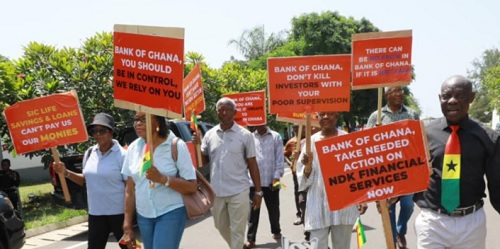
{"x":447,"y":35}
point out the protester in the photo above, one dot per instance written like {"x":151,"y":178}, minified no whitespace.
{"x":394,"y":111}
{"x":101,"y":172}
{"x":463,"y":152}
{"x":229,"y":150}
{"x":9,"y":183}
{"x":156,"y":193}
{"x":269,"y":154}
{"x":288,"y":152}
{"x":319,"y":220}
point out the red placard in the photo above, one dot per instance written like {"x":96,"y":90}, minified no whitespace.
{"x":381,"y":59}
{"x":251,"y":108}
{"x":194,"y":98}
{"x":309,"y":83}
{"x":374,"y":164}
{"x":46,"y":122}
{"x":149,"y":69}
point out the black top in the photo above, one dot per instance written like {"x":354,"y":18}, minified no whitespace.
{"x":9,"y":179}
{"x":480,"y":156}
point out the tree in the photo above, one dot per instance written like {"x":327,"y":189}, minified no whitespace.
{"x":330,"y":33}
{"x":254,"y":43}
{"x":483,"y":75}
{"x":492,"y":82}
{"x":44,"y":70}
{"x":10,"y":84}
{"x":192,"y":58}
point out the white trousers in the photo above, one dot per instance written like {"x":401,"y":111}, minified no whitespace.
{"x":230,"y":218}
{"x":440,"y":231}
{"x":340,"y":235}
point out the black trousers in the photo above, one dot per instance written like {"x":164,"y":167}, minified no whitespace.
{"x":13,"y":196}
{"x":296,"y":194}
{"x":99,"y":228}
{"x":302,"y":205}
{"x":272,"y":200}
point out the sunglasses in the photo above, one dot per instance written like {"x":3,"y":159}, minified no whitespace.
{"x":142,"y":120}
{"x":98,"y":131}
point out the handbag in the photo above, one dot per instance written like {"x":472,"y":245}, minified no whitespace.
{"x":198,"y":203}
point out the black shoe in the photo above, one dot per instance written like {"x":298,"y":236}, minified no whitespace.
{"x":307,"y":235}
{"x":298,"y":222}
{"x":401,"y":241}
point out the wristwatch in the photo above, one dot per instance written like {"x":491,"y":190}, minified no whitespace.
{"x":259,"y":193}
{"x":167,"y":183}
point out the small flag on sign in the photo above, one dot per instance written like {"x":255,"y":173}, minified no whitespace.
{"x":194,"y":122}
{"x":146,"y":160}
{"x":360,"y":232}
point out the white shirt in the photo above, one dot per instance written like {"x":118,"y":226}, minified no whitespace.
{"x":318,"y":214}
{"x":104,"y":180}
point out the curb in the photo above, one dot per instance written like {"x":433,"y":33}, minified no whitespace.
{"x":55,"y":226}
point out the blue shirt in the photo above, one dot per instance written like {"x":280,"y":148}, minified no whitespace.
{"x":105,"y":183}
{"x":155,"y":202}
{"x":270,"y":158}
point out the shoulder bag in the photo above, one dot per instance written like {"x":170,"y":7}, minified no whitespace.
{"x":201,"y":201}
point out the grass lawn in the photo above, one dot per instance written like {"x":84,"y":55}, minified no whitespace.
{"x":42,"y":210}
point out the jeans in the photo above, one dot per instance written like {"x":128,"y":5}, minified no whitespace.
{"x":406,"y":209}
{"x":164,"y":231}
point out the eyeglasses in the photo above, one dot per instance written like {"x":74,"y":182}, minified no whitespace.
{"x":98,"y":131}
{"x":142,"y":120}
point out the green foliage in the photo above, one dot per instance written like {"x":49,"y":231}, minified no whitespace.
{"x":492,"y":83}
{"x":255,"y":43}
{"x":45,"y":70}
{"x":486,"y":79}
{"x":41,"y":209}
{"x":289,"y":49}
{"x":330,"y":33}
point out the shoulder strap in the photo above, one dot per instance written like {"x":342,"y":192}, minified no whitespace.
{"x":174,"y":149}
{"x":86,"y":157}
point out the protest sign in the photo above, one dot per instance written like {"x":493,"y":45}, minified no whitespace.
{"x":309,"y":83}
{"x":374,"y":164}
{"x":149,"y":69}
{"x":251,"y":108}
{"x":381,"y":59}
{"x":46,"y":122}
{"x":194,"y":98}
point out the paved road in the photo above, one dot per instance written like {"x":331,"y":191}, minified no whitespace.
{"x":201,"y":233}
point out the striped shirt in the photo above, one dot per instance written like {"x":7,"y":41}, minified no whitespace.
{"x":318,"y":214}
{"x":388,"y":116}
{"x":269,"y":155}
{"x":228,"y":152}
